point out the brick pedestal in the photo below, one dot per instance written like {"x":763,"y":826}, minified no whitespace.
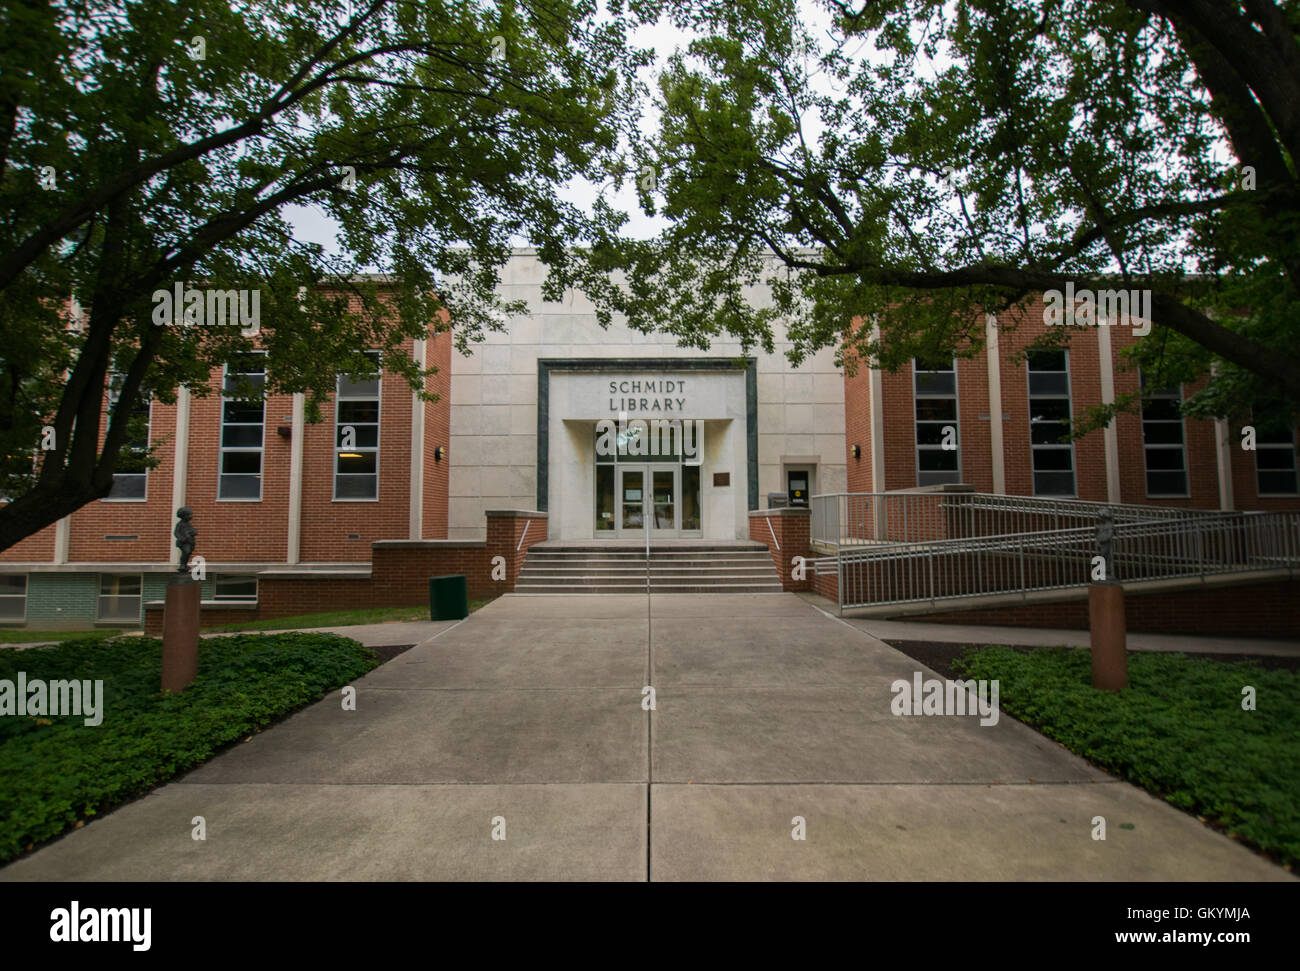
{"x":1106,"y":626}
{"x":180,"y":653}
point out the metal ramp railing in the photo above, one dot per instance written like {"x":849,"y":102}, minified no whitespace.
{"x":1155,"y":547}
{"x":868,"y":518}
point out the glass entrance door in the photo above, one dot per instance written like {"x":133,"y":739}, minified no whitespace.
{"x":650,"y":492}
{"x":631,"y":500}
{"x":665,"y":493}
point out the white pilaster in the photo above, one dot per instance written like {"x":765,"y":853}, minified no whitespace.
{"x":994,"y":355}
{"x":62,"y":539}
{"x":294,"y":547}
{"x":420,"y":353}
{"x":1110,"y":437}
{"x":180,"y":461}
{"x":1223,"y":463}
{"x":877,"y":395}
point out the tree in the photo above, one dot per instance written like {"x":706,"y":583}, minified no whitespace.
{"x":930,"y":161}
{"x":148,"y":144}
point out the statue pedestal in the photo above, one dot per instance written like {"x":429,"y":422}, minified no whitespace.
{"x":1107,"y":631}
{"x":180,"y":653}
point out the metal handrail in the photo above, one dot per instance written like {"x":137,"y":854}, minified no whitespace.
{"x":855,"y":518}
{"x":1173,"y":548}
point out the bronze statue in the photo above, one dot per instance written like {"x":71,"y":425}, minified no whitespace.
{"x":1106,"y":539}
{"x":185,"y":534}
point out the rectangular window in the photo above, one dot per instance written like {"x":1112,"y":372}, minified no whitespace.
{"x":243,"y":425}
{"x":130,"y":481}
{"x":1052,"y":458}
{"x":690,"y":497}
{"x":356,"y":435}
{"x":1275,"y":464}
{"x":235,"y":588}
{"x":13,"y":598}
{"x":604,"y":497}
{"x":119,"y":597}
{"x":1163,"y":439}
{"x":938,"y":455}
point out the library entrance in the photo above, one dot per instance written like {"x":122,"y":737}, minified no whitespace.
{"x":637,"y":449}
{"x":666,"y":495}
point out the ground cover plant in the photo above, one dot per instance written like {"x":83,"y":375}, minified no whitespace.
{"x":1179,"y":731}
{"x":57,"y":772}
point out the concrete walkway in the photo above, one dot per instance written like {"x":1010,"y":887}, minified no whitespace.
{"x":528,"y":716}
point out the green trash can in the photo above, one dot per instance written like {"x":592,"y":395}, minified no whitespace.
{"x":448,"y":597}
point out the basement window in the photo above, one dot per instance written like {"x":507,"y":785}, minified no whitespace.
{"x":13,"y":598}
{"x":120,"y":597}
{"x":232,"y":587}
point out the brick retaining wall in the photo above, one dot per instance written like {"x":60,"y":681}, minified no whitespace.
{"x":399,"y":575}
{"x":1247,"y":610}
{"x":791,"y":530}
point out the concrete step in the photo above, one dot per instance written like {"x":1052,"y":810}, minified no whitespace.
{"x":773,"y":587}
{"x":691,"y":569}
{"x":724,"y":568}
{"x":655,"y":569}
{"x":640,"y":558}
{"x":655,"y":547}
{"x":754,"y":577}
{"x":654,"y":561}
{"x":655,"y":565}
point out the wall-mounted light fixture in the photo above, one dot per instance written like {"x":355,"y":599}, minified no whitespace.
{"x":438,"y":452}
{"x":284,"y":431}
{"x":857,"y":451}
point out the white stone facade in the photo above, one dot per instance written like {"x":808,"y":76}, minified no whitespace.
{"x":494,"y":414}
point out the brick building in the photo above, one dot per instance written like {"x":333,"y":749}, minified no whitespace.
{"x":1156,"y":457}
{"x":349,"y":512}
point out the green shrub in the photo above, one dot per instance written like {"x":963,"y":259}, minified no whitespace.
{"x":55,"y":771}
{"x":1178,"y":731}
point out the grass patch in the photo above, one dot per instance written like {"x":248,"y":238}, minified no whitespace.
{"x":1179,"y":731}
{"x":343,"y":618}
{"x":59,"y":771}
{"x":21,"y":635}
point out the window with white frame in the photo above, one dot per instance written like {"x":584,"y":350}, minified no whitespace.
{"x":1275,"y":462}
{"x":130,"y":480}
{"x":356,"y":435}
{"x":1164,"y":444}
{"x":233,"y":587}
{"x":243,"y":427}
{"x":13,"y":597}
{"x":120,"y":596}
{"x":938,"y":456}
{"x":1052,"y":456}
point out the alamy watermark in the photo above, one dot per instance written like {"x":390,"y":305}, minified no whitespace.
{"x":39,"y":698}
{"x":77,"y":924}
{"x":208,"y":307}
{"x":651,"y":437}
{"x":1088,"y":308}
{"x":935,"y":697}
